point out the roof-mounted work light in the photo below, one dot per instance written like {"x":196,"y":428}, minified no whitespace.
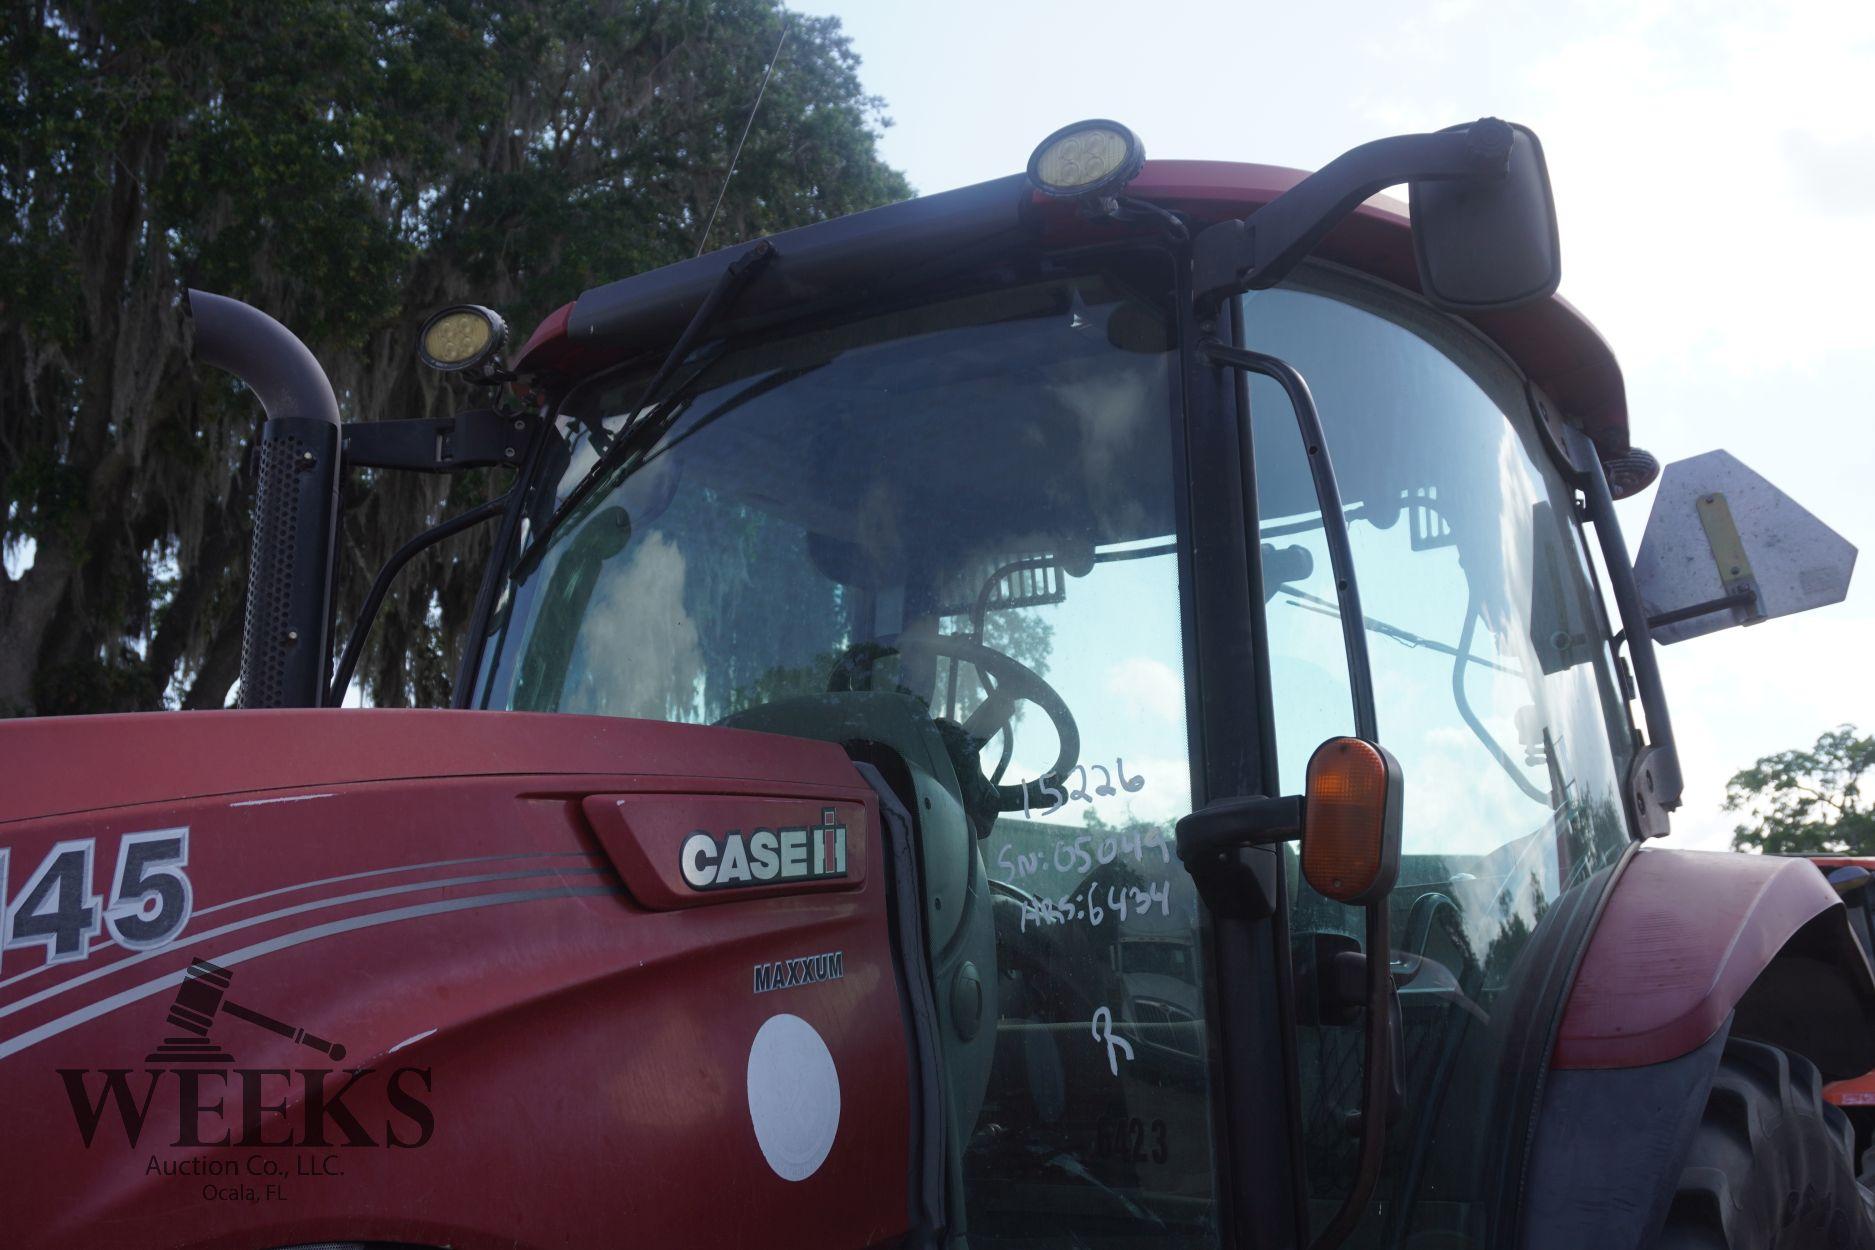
{"x":464,"y":336}
{"x":1091,"y":158}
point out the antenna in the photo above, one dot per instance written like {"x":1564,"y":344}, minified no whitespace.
{"x":737,"y":154}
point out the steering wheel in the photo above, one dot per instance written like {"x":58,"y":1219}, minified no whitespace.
{"x":1011,"y":682}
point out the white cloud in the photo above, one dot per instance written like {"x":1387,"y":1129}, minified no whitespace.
{"x":1148,"y":687}
{"x":637,"y":652}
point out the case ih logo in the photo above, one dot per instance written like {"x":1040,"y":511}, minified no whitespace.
{"x":193,"y":1084}
{"x":765,"y":855}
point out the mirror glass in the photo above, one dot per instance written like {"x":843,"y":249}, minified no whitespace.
{"x":1489,"y":244}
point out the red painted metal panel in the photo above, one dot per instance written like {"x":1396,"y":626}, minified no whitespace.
{"x":1858,"y":1091}
{"x":552,"y":329}
{"x":576,"y":1067}
{"x":1682,"y":938}
{"x":1827,"y":862}
{"x":81,"y":763}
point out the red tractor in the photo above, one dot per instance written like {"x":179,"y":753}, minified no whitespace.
{"x":1097,"y":709}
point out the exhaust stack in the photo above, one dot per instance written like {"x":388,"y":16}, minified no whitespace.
{"x":289,"y":583}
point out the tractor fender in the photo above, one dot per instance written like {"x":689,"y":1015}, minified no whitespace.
{"x":1692,"y":947}
{"x":1686,"y":938}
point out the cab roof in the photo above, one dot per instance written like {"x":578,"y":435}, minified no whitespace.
{"x":849,"y":258}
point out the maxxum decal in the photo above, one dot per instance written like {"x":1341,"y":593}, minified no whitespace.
{"x":785,"y":974}
{"x":765,"y":856}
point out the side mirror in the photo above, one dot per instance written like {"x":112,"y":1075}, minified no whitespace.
{"x":1484,"y":223}
{"x":1489,"y":243}
{"x":1847,"y":880}
{"x":1724,"y":547}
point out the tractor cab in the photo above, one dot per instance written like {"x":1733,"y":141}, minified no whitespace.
{"x":1209,"y":577}
{"x":1009,"y":522}
{"x":1005,"y":533}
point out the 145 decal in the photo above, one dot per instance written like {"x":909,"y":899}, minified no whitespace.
{"x":58,"y":908}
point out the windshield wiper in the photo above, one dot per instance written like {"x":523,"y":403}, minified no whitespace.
{"x":775,"y":380}
{"x":1406,"y":637}
{"x":1461,"y":654}
{"x":734,"y":278}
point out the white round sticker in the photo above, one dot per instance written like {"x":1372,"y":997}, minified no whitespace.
{"x":794,"y":1096}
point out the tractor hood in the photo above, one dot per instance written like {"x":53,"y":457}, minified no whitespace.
{"x":64,"y":765}
{"x":297,"y":977}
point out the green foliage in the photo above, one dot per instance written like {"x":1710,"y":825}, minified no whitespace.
{"x":347,"y":165}
{"x":1807,"y":802}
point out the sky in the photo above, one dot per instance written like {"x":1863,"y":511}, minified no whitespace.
{"x":1714,"y":172}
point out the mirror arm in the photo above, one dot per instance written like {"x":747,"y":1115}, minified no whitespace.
{"x":1655,"y":775}
{"x":1745,"y":598}
{"x":1261,"y":250}
{"x":474,"y":439}
{"x":1223,"y":825}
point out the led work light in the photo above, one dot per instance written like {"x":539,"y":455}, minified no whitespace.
{"x":1090,"y":158}
{"x":461,"y":337}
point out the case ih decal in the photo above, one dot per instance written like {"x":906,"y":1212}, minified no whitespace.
{"x":765,"y":856}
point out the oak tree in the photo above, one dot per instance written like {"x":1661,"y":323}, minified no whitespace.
{"x":1807,"y":802}
{"x":347,"y":166}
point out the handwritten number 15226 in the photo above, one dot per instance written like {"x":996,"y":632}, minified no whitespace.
{"x":1045,"y":787}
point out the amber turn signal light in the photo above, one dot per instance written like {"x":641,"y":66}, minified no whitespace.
{"x":1351,"y":821}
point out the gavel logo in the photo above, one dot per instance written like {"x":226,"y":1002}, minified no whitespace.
{"x":199,"y":999}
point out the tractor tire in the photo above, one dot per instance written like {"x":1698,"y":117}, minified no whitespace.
{"x":1771,"y":1166}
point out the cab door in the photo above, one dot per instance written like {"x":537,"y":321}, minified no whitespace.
{"x":1494,"y":688}
{"x":1141,"y":1091}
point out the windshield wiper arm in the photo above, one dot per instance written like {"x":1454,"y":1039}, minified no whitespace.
{"x":1406,"y":637}
{"x":734,"y":277}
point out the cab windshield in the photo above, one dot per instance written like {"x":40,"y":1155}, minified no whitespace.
{"x":950,"y":468}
